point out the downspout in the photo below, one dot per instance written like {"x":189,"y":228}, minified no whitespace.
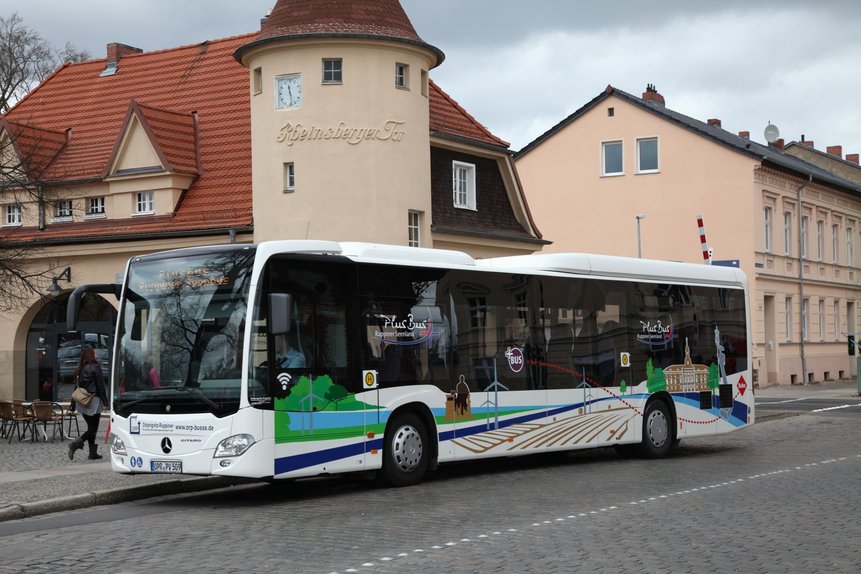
{"x":801,"y":284}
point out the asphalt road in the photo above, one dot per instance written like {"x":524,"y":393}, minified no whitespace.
{"x":782,"y":496}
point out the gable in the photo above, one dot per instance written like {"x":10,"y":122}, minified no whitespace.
{"x":135,"y":153}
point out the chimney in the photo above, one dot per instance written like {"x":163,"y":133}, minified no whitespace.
{"x":651,"y":95}
{"x":745,"y":135}
{"x":835,"y":150}
{"x":807,"y":143}
{"x":714,"y":122}
{"x":777,"y":144}
{"x":115,"y":52}
{"x":852,"y":158}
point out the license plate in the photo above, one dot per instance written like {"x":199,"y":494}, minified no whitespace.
{"x":168,"y":466}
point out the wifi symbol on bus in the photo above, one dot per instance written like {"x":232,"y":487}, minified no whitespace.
{"x":285,"y":379}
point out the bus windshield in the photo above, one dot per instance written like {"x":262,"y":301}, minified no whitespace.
{"x":179,"y":346}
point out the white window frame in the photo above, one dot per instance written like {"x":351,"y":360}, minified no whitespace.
{"x":835,"y":243}
{"x":805,"y":319}
{"x":821,"y":319}
{"x":837,"y":319}
{"x":414,"y":229}
{"x":657,"y":167}
{"x":95,"y":207}
{"x":820,"y":240}
{"x":768,"y":216}
{"x":805,"y":225}
{"x":787,"y":233}
{"x":604,"y":146}
{"x":289,"y":177}
{"x":788,"y":306}
{"x":336,"y":72}
{"x":144,"y":203}
{"x":402,"y":76}
{"x":63,"y":210}
{"x":463,"y":185}
{"x":850,"y":246}
{"x":14,"y":215}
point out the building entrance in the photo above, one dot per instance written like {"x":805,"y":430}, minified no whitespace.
{"x":53,"y":352}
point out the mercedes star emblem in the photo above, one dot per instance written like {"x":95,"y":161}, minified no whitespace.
{"x":166,"y":445}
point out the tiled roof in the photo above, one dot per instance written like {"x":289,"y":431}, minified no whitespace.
{"x":448,"y":118}
{"x":165,"y":88}
{"x":35,"y":147}
{"x":174,"y":135}
{"x":355,"y":18}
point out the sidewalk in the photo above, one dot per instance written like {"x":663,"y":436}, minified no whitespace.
{"x":38,"y":478}
{"x":842,"y":389}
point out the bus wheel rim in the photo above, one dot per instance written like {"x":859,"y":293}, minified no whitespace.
{"x":407,"y":448}
{"x":658,"y":428}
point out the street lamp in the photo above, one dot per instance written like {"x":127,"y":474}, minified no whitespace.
{"x":639,"y":245}
{"x":54,"y":288}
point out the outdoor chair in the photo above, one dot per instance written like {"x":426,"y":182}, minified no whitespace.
{"x":22,"y":420}
{"x":44,"y":414}
{"x":5,"y":418}
{"x":69,"y":417}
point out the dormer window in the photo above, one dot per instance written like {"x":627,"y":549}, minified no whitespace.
{"x":145,"y":204}
{"x":463,"y":185}
{"x":96,"y":207}
{"x":13,"y":214}
{"x":63,"y":210}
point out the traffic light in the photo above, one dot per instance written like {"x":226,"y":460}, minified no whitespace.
{"x":851,"y":344}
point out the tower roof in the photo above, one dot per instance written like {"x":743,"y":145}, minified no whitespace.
{"x":371,"y":19}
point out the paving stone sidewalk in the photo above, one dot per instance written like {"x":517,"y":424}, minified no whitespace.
{"x":38,"y":478}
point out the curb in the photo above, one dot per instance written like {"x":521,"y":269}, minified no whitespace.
{"x":17,"y":511}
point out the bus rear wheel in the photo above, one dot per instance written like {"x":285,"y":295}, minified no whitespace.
{"x":405,"y":451}
{"x":657,"y":431}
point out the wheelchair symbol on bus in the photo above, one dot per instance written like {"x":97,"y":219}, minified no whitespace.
{"x":136,"y":462}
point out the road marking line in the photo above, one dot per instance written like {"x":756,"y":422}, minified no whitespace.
{"x":834,"y":408}
{"x":635,"y":503}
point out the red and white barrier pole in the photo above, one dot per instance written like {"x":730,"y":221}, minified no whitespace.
{"x":707,"y":254}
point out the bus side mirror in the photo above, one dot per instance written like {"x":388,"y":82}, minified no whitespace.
{"x":73,"y":306}
{"x":280,"y":313}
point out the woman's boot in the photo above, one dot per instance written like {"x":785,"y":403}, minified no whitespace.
{"x":93,"y":454}
{"x":77,"y":444}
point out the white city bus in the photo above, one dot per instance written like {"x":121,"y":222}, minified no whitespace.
{"x":299,"y":358}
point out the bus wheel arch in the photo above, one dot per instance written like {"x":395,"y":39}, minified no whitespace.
{"x":659,"y":426}
{"x":408,"y":447}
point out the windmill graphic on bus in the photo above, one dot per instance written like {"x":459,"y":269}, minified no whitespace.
{"x":309,"y":398}
{"x":494,"y":386}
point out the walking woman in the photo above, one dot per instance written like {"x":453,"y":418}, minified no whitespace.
{"x":89,"y":377}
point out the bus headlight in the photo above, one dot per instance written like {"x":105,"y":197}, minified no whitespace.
{"x":234,"y":445}
{"x":117,"y":445}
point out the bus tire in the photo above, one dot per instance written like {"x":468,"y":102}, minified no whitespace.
{"x":406,"y":451}
{"x":657,"y":430}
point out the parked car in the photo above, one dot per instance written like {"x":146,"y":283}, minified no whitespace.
{"x":69,"y":353}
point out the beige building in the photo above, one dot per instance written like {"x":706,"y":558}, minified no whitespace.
{"x":624,"y":170}
{"x":324,"y":124}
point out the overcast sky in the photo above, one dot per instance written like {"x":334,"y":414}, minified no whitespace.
{"x":522,"y":66}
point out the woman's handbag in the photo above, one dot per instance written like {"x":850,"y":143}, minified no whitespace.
{"x":82,"y":396}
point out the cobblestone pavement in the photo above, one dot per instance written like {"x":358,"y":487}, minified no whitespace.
{"x":782,"y":496}
{"x":38,"y":477}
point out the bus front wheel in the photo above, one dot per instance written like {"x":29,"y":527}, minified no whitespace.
{"x":405,"y":451}
{"x":657,"y":430}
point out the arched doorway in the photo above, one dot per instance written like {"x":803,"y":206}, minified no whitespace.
{"x":53,"y":352}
